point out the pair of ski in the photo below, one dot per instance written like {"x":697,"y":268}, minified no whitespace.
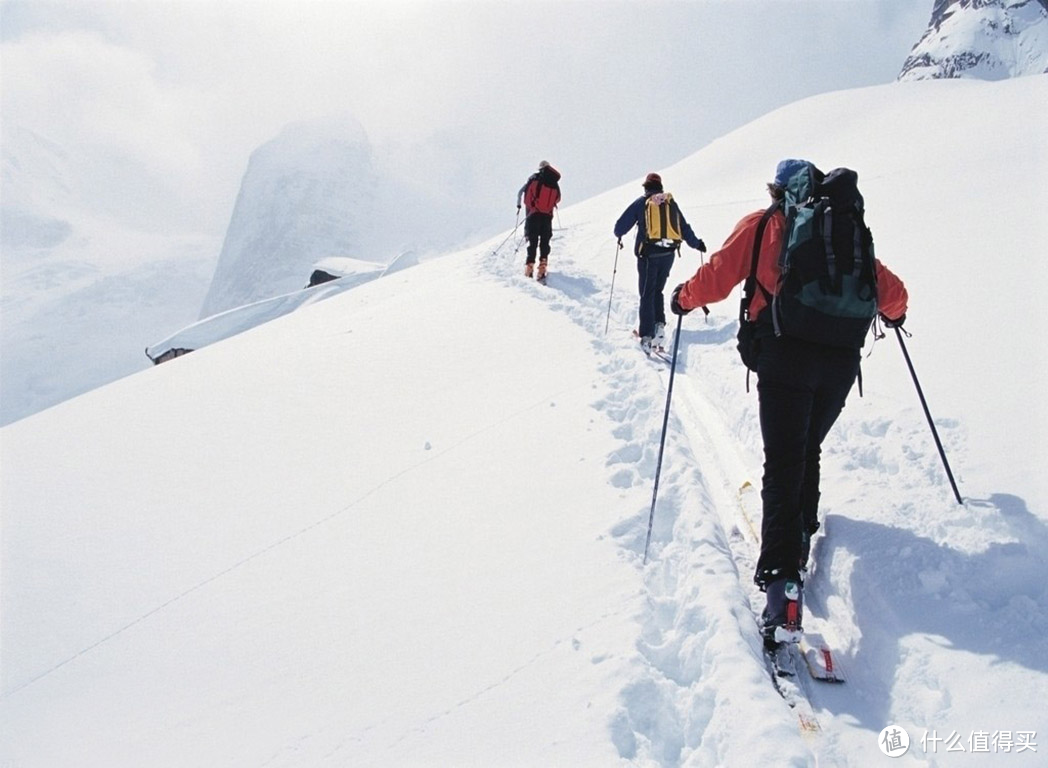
{"x":789,"y":664}
{"x":655,"y":352}
{"x":786,"y":665}
{"x":813,"y":655}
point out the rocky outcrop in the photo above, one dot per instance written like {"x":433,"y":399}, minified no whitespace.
{"x":984,"y":39}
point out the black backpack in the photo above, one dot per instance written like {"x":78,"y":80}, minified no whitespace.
{"x":827,"y":290}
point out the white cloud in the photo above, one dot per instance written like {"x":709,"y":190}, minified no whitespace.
{"x":606,"y":89}
{"x":84,"y":92}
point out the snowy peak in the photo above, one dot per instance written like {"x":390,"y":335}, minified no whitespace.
{"x":322,"y":190}
{"x":983,"y":39}
{"x":302,"y":199}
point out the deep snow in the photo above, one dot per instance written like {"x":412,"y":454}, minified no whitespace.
{"x":346,"y":274}
{"x":404,"y":525}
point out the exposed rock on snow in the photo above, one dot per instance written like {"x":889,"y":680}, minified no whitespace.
{"x":984,"y":39}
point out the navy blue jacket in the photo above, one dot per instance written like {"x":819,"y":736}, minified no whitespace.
{"x":634,"y":215}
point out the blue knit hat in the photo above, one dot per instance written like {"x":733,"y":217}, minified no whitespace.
{"x":785,"y":169}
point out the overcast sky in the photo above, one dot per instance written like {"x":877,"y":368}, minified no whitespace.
{"x":179,"y":93}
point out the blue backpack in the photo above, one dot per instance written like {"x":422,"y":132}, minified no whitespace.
{"x":827,"y":290}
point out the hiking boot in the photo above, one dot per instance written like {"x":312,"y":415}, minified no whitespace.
{"x":781,"y":618}
{"x":541,"y":274}
{"x":659,"y":339}
{"x":529,"y":269}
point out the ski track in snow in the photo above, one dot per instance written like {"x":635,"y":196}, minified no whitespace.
{"x":668,"y":711}
{"x":707,"y":519}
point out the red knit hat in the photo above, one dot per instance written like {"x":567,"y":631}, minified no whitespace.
{"x":653,"y":180}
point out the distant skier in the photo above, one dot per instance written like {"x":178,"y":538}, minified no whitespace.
{"x":802,"y":387}
{"x":660,"y":229}
{"x":540,"y":195}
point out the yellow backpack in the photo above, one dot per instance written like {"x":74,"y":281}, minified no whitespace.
{"x":662,"y":221}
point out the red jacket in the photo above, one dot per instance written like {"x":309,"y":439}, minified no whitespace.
{"x":730,"y":266}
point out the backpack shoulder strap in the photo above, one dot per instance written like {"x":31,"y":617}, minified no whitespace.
{"x":751,"y":284}
{"x":533,"y":186}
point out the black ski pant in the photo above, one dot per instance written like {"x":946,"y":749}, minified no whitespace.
{"x":653,"y":270}
{"x":801,"y":388}
{"x":538,"y":229}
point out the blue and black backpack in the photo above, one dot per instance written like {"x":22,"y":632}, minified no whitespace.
{"x":827,"y":290}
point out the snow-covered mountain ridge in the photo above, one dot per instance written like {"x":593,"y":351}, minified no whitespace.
{"x":986,"y":39}
{"x":318,"y":190}
{"x":82,"y":293}
{"x":300,"y":547}
{"x":306,"y":195}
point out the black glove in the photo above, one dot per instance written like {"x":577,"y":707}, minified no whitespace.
{"x":620,"y":243}
{"x":702,"y":246}
{"x":675,"y":306}
{"x":518,"y":209}
{"x":897,"y":323}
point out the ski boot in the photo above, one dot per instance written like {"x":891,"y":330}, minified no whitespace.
{"x":781,"y":618}
{"x":658,"y":341}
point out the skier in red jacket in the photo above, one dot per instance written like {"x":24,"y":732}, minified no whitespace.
{"x":802,"y":387}
{"x":540,"y":194}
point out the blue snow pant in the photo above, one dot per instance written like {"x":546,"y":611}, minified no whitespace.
{"x":653,"y":270}
{"x":801,"y":388}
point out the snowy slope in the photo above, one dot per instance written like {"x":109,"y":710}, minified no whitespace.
{"x":344,"y":274}
{"x":403,"y":526}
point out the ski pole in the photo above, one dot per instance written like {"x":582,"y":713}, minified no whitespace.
{"x":662,"y":441}
{"x":614,"y":271}
{"x":516,"y":223}
{"x":928,"y":415}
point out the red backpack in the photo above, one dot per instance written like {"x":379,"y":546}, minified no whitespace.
{"x":543,"y":193}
